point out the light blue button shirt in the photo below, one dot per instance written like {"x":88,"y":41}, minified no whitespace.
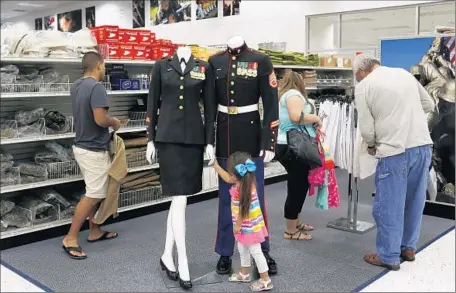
{"x":284,"y":118}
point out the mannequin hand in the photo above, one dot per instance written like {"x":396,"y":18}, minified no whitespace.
{"x":210,"y":154}
{"x":268,"y":156}
{"x":150,"y":152}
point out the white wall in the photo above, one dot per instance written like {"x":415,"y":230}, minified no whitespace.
{"x":259,"y":21}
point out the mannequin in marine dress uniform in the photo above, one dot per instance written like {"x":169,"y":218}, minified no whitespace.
{"x":176,"y":129}
{"x":242,"y":76}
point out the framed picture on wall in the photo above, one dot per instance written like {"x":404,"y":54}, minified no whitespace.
{"x":231,"y":7}
{"x":39,"y":24}
{"x":90,"y":17}
{"x":169,"y":11}
{"x":206,"y":9}
{"x":49,"y":23}
{"x":139,"y":13}
{"x":70,"y":21}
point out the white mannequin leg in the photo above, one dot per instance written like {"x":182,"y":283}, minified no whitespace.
{"x":167,"y":256}
{"x":179,"y":205}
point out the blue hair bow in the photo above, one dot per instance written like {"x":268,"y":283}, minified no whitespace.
{"x":242,"y":169}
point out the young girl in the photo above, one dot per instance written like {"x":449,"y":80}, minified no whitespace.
{"x":248,"y":223}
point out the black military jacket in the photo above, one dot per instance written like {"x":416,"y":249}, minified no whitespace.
{"x":240,"y":80}
{"x":173,"y":112}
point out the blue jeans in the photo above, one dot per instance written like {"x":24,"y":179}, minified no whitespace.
{"x":401,"y":183}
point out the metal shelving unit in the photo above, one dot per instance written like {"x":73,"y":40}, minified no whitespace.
{"x":51,"y":61}
{"x":318,"y":68}
{"x":122,"y":100}
{"x":67,"y":94}
{"x":54,"y":224}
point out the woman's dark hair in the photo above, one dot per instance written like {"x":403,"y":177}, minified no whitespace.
{"x":247,"y":182}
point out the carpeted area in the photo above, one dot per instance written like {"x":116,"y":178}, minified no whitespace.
{"x":331,"y":262}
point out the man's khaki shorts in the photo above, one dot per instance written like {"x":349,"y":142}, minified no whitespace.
{"x":94,"y":167}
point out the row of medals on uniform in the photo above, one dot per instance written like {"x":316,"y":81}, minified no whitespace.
{"x":243,"y":69}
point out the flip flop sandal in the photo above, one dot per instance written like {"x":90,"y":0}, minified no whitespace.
{"x":237,"y":278}
{"x":104,"y":237}
{"x":375,"y":260}
{"x":299,"y":233}
{"x":260,"y":285}
{"x":304,"y":227}
{"x":69,"y":251}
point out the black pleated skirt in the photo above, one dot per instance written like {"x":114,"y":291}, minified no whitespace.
{"x":181,"y":168}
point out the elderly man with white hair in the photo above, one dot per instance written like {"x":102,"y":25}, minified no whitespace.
{"x":392,"y":107}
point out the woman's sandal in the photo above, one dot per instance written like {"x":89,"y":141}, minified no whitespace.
{"x":305,"y":227}
{"x":260,"y":285}
{"x":298,"y":235}
{"x":69,"y":251}
{"x":238,"y":278}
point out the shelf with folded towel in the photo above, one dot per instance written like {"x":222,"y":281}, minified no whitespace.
{"x":24,"y":95}
{"x":6,"y":141}
{"x":76,"y":61}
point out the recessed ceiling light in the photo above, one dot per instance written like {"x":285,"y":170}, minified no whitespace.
{"x":29,"y":5}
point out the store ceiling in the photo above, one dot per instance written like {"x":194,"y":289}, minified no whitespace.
{"x":11,"y":9}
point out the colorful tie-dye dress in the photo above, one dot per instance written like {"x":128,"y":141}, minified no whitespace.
{"x":253,"y":228}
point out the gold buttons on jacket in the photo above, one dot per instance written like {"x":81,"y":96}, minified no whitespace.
{"x":181,"y":107}
{"x":232,"y":101}
{"x":181,"y":97}
{"x":234,"y":57}
{"x":182,"y":78}
{"x":232,"y":92}
{"x":234,"y":66}
{"x":251,"y":122}
{"x":232,"y":83}
{"x":232,"y":74}
{"x":181,"y":87}
{"x":272,"y":140}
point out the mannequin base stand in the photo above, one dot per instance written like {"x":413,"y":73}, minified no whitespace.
{"x":200,"y":274}
{"x":351,"y":223}
{"x":345,"y":225}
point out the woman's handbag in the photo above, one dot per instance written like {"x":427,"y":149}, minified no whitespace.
{"x":304,"y":147}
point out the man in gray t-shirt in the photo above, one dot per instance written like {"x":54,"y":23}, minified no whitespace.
{"x":88,"y":94}
{"x":91,"y":123}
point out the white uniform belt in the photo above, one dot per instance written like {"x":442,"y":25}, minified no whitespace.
{"x":233,"y":110}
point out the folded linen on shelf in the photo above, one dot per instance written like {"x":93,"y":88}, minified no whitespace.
{"x":6,"y":206}
{"x":140,"y":186}
{"x":135,"y":142}
{"x":53,"y":197}
{"x":135,"y":150}
{"x":140,"y":181}
{"x":40,"y":210}
{"x":17,"y":218}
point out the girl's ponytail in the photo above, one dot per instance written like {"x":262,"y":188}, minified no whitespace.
{"x":247,"y":183}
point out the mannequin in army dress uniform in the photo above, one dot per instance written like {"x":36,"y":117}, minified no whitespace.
{"x":175,"y":127}
{"x":242,"y":75}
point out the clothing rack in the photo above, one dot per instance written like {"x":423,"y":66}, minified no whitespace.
{"x":351,"y":222}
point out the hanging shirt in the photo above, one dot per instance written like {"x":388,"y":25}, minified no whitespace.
{"x":285,"y":123}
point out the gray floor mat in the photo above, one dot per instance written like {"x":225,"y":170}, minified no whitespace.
{"x":331,"y":262}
